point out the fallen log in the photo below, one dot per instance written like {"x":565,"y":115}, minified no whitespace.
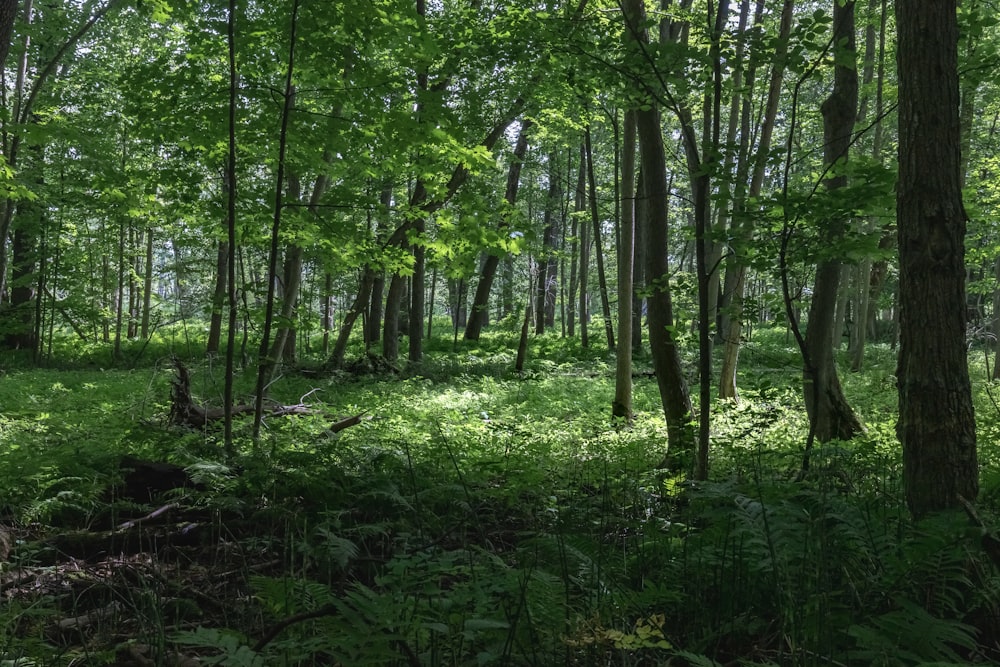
{"x":184,"y":411}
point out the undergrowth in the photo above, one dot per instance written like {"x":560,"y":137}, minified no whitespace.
{"x":479,"y":517}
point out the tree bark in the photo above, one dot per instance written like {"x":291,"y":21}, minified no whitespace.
{"x":936,"y":419}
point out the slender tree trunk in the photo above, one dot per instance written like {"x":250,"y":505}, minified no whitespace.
{"x":480,"y":303}
{"x":602,"y":281}
{"x":621,"y":406}
{"x":831,"y":417}
{"x":147,"y":285}
{"x":327,"y":311}
{"x":230,"y":180}
{"x":574,"y":250}
{"x":266,"y":364}
{"x":544,"y":286}
{"x":743,"y":226}
{"x":673,"y":387}
{"x":119,"y":292}
{"x":584,"y":270}
{"x":220,"y":298}
{"x":639,"y":263}
{"x":351,"y":315}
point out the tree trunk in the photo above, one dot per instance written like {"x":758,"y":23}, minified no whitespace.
{"x":743,"y":225}
{"x":673,"y":387}
{"x":621,"y":406}
{"x":584,"y":267}
{"x":829,"y":413}
{"x":266,"y":363}
{"x":602,"y":280}
{"x":147,"y":285}
{"x":874,"y":55}
{"x":936,"y":419}
{"x":639,"y":264}
{"x":480,"y":302}
{"x":390,"y":330}
{"x":351,"y":315}
{"x":574,"y":249}
{"x":219,"y":298}
{"x":546,"y":283}
{"x":418,"y":283}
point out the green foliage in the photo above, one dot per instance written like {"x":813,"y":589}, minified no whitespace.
{"x":487,"y":517}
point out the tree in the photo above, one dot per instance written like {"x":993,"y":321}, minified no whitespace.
{"x":830,"y":414}
{"x":936,"y":419}
{"x":621,"y":405}
{"x":674,"y":394}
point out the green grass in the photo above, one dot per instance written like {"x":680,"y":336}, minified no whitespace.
{"x":482,"y":516}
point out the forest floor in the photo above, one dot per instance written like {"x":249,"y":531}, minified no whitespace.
{"x":476,"y":516}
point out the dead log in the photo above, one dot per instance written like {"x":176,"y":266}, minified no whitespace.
{"x":184,"y":411}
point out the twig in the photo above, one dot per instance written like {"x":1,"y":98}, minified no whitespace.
{"x":155,"y":514}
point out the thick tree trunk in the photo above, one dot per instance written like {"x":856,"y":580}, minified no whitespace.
{"x":936,"y":419}
{"x":418,"y":280}
{"x":829,"y":412}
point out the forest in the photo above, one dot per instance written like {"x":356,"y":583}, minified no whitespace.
{"x":464,"y":332}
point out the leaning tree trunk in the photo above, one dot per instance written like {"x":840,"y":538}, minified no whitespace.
{"x":480,"y":303}
{"x":602,"y":281}
{"x":936,"y":419}
{"x":830,"y":414}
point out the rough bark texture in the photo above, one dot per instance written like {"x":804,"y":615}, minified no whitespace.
{"x":829,"y":412}
{"x":936,"y":419}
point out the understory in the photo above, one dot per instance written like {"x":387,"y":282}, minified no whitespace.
{"x":475,"y":516}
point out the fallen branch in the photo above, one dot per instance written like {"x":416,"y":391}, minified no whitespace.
{"x":347,"y":422}
{"x":155,"y":514}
